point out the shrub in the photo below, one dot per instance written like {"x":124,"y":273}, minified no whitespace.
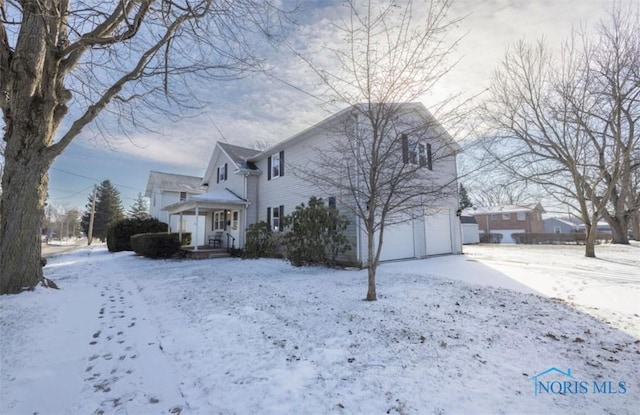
{"x":259,"y":243}
{"x":156,"y":245}
{"x":557,"y":238}
{"x":316,"y":234}
{"x":119,"y":234}
{"x":492,"y":238}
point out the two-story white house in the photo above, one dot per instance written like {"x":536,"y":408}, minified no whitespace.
{"x":245,"y":186}
{"x":164,"y":189}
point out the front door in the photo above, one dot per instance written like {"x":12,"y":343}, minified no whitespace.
{"x":234,"y":227}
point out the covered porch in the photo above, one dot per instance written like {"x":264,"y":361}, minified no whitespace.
{"x":224,"y":215}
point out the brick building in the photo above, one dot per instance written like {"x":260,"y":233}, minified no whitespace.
{"x":508,"y":219}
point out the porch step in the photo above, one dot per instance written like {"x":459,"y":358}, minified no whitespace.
{"x":206,"y":253}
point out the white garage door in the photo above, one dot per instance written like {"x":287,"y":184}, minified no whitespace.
{"x":398,"y":242}
{"x":438,"y":232}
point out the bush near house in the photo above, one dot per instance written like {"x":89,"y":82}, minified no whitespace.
{"x":259,"y":242}
{"x":119,"y":234}
{"x":315,"y":235}
{"x":492,"y":238}
{"x":577,"y":238}
{"x":156,"y":245}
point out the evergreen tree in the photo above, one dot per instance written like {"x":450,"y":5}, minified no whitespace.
{"x":139,"y":209}
{"x":108,"y":210}
{"x":465,"y":202}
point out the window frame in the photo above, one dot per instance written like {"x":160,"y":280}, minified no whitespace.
{"x":506,"y":216}
{"x":521,"y":216}
{"x":218,"y":219}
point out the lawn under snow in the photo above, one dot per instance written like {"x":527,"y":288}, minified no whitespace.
{"x":449,"y":335}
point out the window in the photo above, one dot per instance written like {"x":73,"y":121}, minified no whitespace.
{"x":521,"y":216}
{"x":222,"y":173}
{"x":416,"y":153}
{"x":274,"y":218}
{"x":556,"y":229}
{"x":218,"y":220}
{"x":275,"y":165}
{"x":494,"y":216}
{"x":183,"y":196}
{"x":506,"y":216}
{"x":332,"y":202}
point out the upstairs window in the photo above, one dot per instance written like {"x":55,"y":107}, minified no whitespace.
{"x":183,"y":196}
{"x":275,"y":165}
{"x":416,"y":153}
{"x":521,"y":216}
{"x":506,"y":216}
{"x":222,"y":173}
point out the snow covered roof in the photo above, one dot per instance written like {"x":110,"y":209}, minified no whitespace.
{"x":525,"y":207}
{"x":560,"y":220}
{"x":172,"y":182}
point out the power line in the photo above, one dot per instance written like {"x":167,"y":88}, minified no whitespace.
{"x":93,"y":179}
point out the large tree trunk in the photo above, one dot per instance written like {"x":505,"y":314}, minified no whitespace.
{"x":619,"y":225}
{"x":24,"y":186}
{"x":590,"y":242}
{"x":635,"y":225}
{"x":371,"y":291}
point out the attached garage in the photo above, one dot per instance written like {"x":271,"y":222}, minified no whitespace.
{"x":398,"y":242}
{"x":438,"y":232}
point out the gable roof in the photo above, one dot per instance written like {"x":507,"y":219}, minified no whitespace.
{"x":172,"y":182}
{"x":562,"y":221}
{"x":237,"y":154}
{"x":406,"y":107}
{"x":468,"y":219}
{"x":524,"y":207}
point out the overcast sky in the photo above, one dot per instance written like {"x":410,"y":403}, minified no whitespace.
{"x":263,"y":109}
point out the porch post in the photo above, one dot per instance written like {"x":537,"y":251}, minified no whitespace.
{"x":169,"y":224}
{"x":180,"y":229}
{"x":195,"y":240}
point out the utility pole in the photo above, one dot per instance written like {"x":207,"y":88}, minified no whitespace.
{"x":93,"y":212}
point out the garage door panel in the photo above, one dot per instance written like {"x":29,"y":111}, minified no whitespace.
{"x":438,"y":232}
{"x":398,"y":242}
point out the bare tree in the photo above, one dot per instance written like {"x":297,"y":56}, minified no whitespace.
{"x":64,"y":63}
{"x":567,"y":123}
{"x":387,"y":156}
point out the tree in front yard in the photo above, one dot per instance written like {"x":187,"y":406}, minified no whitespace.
{"x":139,"y":209}
{"x":386,"y":157}
{"x":63,"y":63}
{"x":107,"y":212}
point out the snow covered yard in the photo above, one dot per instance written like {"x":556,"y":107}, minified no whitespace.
{"x":455,"y":334}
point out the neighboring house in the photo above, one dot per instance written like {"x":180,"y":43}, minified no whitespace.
{"x":164,"y":189}
{"x":247,"y":186}
{"x":558,"y":225}
{"x":509,"y":219}
{"x":470,"y":230}
{"x":602,"y":226}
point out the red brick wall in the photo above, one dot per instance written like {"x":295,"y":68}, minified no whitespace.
{"x":531,"y":224}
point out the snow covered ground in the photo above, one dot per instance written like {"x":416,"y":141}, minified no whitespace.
{"x":449,"y":335}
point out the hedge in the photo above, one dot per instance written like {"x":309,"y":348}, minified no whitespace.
{"x":557,"y":238}
{"x":156,"y":245}
{"x":119,"y":234}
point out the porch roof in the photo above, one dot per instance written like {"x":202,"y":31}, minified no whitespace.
{"x":215,"y":199}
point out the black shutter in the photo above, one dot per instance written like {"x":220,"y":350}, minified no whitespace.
{"x":429,"y":160}
{"x":225,"y":171}
{"x":405,"y":148}
{"x":269,"y":217}
{"x":269,"y":168}
{"x":332,"y":202}
{"x":218,"y":176}
{"x":281,"y":215}
{"x":225,"y":221}
{"x":282,"y":163}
